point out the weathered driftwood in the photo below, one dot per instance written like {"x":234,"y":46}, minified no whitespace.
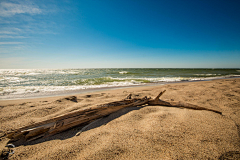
{"x":70,"y":120}
{"x":159,"y":102}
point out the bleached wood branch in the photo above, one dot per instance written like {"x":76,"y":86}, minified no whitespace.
{"x":64,"y":122}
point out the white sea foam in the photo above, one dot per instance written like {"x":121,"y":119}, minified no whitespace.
{"x":21,"y":90}
{"x":12,"y":79}
{"x":18,"y":72}
{"x":123,"y":72}
{"x":161,"y":79}
{"x":206,"y":74}
{"x":33,"y":73}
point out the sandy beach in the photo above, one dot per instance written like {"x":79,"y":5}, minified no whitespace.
{"x":141,"y":132}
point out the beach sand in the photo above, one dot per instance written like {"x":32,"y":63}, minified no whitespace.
{"x":143,"y":132}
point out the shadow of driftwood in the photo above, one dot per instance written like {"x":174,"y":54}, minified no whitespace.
{"x":72,"y":132}
{"x":110,"y":117}
{"x":233,"y":155}
{"x":238,"y":128}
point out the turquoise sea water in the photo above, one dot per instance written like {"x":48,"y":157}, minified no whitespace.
{"x":30,"y":81}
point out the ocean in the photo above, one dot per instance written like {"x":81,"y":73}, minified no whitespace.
{"x":22,"y":83}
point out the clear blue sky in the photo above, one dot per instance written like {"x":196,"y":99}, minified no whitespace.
{"x":119,"y":34}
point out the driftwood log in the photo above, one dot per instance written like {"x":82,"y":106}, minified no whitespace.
{"x":64,"y":122}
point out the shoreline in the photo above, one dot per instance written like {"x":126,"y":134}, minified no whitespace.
{"x":92,"y":90}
